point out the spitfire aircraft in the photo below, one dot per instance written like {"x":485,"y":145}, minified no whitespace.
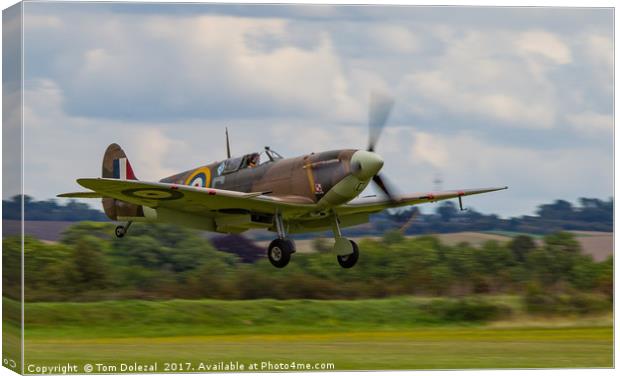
{"x":312,"y":192}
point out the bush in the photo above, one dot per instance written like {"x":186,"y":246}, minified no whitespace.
{"x":321,"y":245}
{"x":468,"y":309}
{"x":538,"y":301}
{"x":393,"y":237}
{"x":164,"y":261}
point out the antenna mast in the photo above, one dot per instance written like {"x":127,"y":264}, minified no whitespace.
{"x":438,"y":182}
{"x":227,"y":144}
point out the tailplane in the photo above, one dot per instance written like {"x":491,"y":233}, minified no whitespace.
{"x":115,"y":166}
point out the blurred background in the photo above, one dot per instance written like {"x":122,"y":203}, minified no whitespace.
{"x":71,"y":255}
{"x":448,"y":289}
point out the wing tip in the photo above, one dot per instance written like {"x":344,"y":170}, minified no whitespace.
{"x":80,"y":195}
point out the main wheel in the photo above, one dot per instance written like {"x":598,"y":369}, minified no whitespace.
{"x":120,"y":231}
{"x":348,"y":261}
{"x":279,"y":252}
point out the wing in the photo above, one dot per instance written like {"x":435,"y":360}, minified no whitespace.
{"x":81,"y":195}
{"x":372,"y":205}
{"x":195,"y":200}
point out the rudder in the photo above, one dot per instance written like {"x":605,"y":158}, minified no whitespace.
{"x":116,"y":164}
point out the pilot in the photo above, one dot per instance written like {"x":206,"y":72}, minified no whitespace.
{"x":253,"y":160}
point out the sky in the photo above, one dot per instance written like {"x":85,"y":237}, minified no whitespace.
{"x":521,"y":97}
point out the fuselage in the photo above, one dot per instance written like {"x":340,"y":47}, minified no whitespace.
{"x":328,"y":178}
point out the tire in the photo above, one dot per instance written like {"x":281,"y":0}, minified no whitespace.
{"x":348,"y":261}
{"x":279,"y":252}
{"x":120,"y":231}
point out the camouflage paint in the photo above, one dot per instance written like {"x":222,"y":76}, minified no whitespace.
{"x":115,"y":208}
{"x":305,"y":179}
{"x":308,"y":178}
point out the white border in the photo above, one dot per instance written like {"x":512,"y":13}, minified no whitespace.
{"x":506,"y":3}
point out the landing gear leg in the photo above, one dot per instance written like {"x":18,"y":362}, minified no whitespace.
{"x":347,"y":250}
{"x":280,"y":250}
{"x":122,"y":230}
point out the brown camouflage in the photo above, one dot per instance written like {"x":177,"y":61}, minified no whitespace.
{"x":114,"y":208}
{"x":307,"y":177}
{"x":303,"y":179}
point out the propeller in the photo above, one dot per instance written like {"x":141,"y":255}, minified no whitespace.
{"x":378,"y":113}
{"x":381,"y":183}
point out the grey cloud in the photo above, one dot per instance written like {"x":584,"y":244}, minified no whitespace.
{"x":272,"y":73}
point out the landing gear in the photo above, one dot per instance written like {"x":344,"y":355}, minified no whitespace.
{"x":348,"y":261}
{"x":122,"y":230}
{"x":346,"y":250}
{"x":281,"y":249}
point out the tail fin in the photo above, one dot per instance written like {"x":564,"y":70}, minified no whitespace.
{"x":116,"y":164}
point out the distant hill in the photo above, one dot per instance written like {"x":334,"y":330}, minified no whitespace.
{"x":599,"y":245}
{"x":43,"y":230}
{"x":591,"y":215}
{"x":49,"y":210}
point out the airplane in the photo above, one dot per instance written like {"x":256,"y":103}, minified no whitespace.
{"x":312,"y":192}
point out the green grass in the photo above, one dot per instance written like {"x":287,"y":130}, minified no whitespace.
{"x":11,"y":345}
{"x":395,"y":333}
{"x":132,"y":318}
{"x":429,"y":348}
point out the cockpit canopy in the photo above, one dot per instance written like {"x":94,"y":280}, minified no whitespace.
{"x":248,"y":161}
{"x":271,"y":155}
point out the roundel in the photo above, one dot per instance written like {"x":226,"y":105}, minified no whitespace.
{"x":199,"y":178}
{"x":153,"y":193}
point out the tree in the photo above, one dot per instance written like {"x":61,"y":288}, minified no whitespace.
{"x":11,"y":266}
{"x":49,"y":210}
{"x":562,"y":242}
{"x":393,"y":237}
{"x":595,"y":210}
{"x":447,"y":211}
{"x":100,"y":230}
{"x":521,"y":246}
{"x":555,"y":260}
{"x":560,"y":209}
{"x":88,"y":266}
{"x":584,"y":273}
{"x":441,"y":279}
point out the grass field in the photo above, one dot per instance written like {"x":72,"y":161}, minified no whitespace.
{"x":395,"y":333}
{"x":429,"y":348}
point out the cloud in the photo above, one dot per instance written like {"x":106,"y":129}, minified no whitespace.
{"x":465,"y":158}
{"x":495,"y":76}
{"x":474,"y":99}
{"x":59,"y":148}
{"x":210,"y":68}
{"x":544,"y":44}
{"x":592,"y":124}
{"x":149,"y":149}
{"x":42,"y":21}
{"x":395,"y":38}
{"x":484,"y":97}
{"x":597,"y":51}
{"x":599,"y":48}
